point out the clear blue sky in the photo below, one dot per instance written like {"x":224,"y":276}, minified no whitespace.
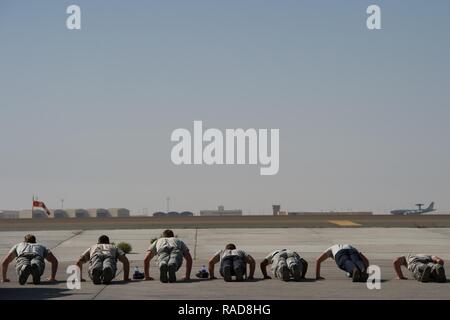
{"x":87,"y":115}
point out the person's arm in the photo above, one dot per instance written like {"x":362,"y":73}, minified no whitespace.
{"x":252,"y":264}
{"x":263,"y":267}
{"x":324,"y":256}
{"x":52,"y":259}
{"x":211,"y":264}
{"x":305,"y":267}
{"x":188,"y":257}
{"x":80,"y":266}
{"x":148,"y":258}
{"x":83,"y":259}
{"x":438,"y":260}
{"x":126,"y":267}
{"x":6,"y":261}
{"x":398,"y":263}
{"x":365,"y":260}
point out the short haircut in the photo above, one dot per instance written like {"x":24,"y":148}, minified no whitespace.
{"x":103,"y":239}
{"x":168,"y":234}
{"x":30,"y":238}
{"x":230,"y":246}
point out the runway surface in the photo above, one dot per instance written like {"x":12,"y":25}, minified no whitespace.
{"x":304,"y":221}
{"x":380,"y":245}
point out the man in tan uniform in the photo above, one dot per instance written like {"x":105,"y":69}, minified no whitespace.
{"x":170,"y":252}
{"x":30,"y":258}
{"x":425,"y":268}
{"x":102,"y":259}
{"x":284,"y":265}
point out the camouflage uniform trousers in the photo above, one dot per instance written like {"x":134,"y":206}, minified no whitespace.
{"x":288,"y":260}
{"x":99,"y":262}
{"x":170,"y":256}
{"x":30,"y":259}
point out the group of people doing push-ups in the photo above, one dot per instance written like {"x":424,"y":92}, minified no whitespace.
{"x":170,"y":252}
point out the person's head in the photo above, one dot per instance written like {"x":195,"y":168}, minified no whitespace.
{"x":30,"y":238}
{"x":230,"y":246}
{"x":103,"y":239}
{"x":167,"y":234}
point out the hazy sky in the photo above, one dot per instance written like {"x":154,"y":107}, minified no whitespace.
{"x":87,"y":115}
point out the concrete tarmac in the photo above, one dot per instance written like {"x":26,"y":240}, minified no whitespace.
{"x":381,"y":245}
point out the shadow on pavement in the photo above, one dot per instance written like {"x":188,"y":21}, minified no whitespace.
{"x":51,"y":283}
{"x":33,"y":293}
{"x":190,"y":281}
{"x":254,"y":280}
{"x":307,"y":280}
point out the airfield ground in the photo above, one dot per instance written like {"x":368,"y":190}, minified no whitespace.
{"x":380,"y":244}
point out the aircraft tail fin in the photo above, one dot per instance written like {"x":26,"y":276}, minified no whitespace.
{"x":431,"y":206}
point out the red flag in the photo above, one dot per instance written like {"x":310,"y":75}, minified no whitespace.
{"x":40,"y":204}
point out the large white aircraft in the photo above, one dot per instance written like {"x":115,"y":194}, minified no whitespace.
{"x":405,"y":212}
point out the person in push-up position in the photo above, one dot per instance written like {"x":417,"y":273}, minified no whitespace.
{"x":170,"y":252}
{"x":284,"y":265}
{"x":233,"y":262}
{"x":347,"y":258}
{"x":30,"y":258}
{"x":425,"y":268}
{"x":102,"y":258}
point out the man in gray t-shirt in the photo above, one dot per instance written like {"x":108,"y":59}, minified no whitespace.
{"x":425,"y":268}
{"x":233,"y":262}
{"x":170,"y":252}
{"x":284,"y":264}
{"x":30,"y":259}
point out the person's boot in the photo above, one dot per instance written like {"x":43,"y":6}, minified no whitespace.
{"x":440,"y":273}
{"x":285,"y":274}
{"x":97,"y":276}
{"x":35,"y":274}
{"x":356,"y":275}
{"x":163,"y":273}
{"x":172,"y":273}
{"x":296,"y":274}
{"x":426,"y":274}
{"x":227,"y":273}
{"x":364,"y":276}
{"x":239,"y":274}
{"x":107,"y":275}
{"x":26,"y":270}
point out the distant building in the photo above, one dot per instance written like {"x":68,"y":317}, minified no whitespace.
{"x":173,"y":214}
{"x":82,"y":213}
{"x":220,"y":212}
{"x":276,"y":209}
{"x":67,"y":213}
{"x":9,"y":214}
{"x":59,"y":213}
{"x":39,"y":214}
{"x":122,"y":212}
{"x":103,"y":213}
